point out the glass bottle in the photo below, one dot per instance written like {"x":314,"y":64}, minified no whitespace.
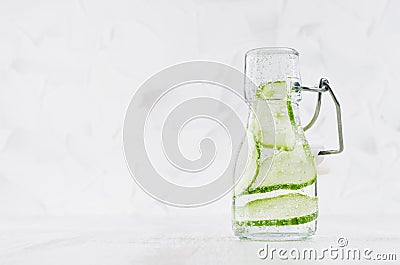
{"x":275,"y":197}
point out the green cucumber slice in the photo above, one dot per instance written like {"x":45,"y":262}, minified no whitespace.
{"x":273,"y":90}
{"x":287,"y":209}
{"x":273,"y":125}
{"x":273,"y":120}
{"x":290,"y":170}
{"x":248,"y":164}
{"x":280,"y":222}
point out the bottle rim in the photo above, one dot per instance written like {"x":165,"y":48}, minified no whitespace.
{"x":271,"y":51}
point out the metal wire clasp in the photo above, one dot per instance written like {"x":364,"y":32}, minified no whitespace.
{"x":324,"y":87}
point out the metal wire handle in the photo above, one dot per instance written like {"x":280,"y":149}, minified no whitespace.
{"x":324,"y":87}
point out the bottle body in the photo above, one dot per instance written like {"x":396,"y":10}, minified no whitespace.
{"x":275,"y":197}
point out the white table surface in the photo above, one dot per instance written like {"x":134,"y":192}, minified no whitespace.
{"x":172,"y":240}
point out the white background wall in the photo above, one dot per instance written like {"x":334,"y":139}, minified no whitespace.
{"x":69,"y":68}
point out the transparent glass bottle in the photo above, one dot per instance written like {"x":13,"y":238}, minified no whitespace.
{"x":276,"y":196}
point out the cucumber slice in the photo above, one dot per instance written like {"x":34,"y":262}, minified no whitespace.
{"x":272,"y":124}
{"x":248,"y":164}
{"x":273,"y":90}
{"x":290,"y":170}
{"x":273,"y":119}
{"x":280,"y":222}
{"x":288,"y":209}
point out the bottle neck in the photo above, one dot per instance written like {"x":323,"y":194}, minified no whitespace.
{"x":268,"y":66}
